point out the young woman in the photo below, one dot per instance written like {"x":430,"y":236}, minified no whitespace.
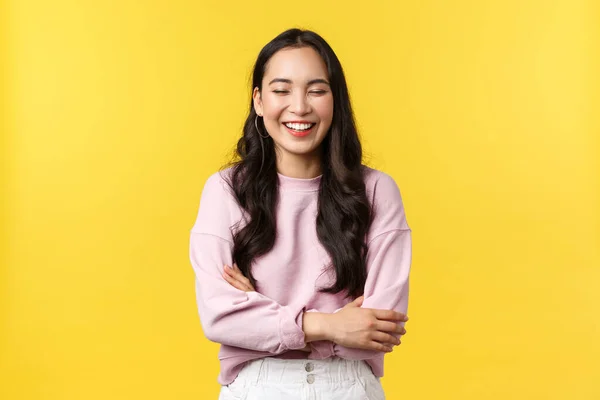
{"x":301,"y":253}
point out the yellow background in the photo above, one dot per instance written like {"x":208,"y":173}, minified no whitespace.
{"x":115,"y":113}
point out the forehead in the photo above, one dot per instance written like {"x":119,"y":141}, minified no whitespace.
{"x":299,"y":65}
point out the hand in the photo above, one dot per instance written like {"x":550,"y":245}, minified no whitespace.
{"x":366,"y":328}
{"x":236,"y":279}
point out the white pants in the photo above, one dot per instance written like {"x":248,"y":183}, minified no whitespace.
{"x":280,"y":379}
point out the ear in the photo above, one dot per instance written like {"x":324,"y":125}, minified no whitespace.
{"x":256,"y":96}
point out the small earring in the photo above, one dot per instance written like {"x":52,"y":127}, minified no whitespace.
{"x":256,"y":125}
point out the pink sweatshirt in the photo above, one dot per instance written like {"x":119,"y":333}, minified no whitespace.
{"x":268,"y":322}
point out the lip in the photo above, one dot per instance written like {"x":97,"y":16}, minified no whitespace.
{"x":303,"y":133}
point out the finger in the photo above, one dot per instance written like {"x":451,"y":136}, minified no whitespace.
{"x":237,"y":271}
{"x":374,"y":345}
{"x":243,"y":279}
{"x":229,"y":269}
{"x":237,"y":284}
{"x":388,"y":326}
{"x":385,"y":338}
{"x":237,"y":274}
{"x":356,"y":302}
{"x":244,"y":282}
{"x":231,"y":280}
{"x":389,"y":315}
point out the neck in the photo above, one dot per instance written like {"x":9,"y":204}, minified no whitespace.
{"x":299,"y":166}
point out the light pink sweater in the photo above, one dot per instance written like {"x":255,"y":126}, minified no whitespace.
{"x":268,"y":322}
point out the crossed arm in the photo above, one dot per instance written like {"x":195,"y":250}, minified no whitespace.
{"x":250,"y":320}
{"x":378,"y":325}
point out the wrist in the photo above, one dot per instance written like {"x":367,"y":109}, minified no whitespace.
{"x":315,"y":326}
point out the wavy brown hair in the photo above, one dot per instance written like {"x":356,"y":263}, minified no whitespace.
{"x":344,"y":214}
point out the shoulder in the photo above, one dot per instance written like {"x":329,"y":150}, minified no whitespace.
{"x":381,"y":188}
{"x":386,"y":201}
{"x":217,"y":184}
{"x":217,"y":206}
{"x":380,"y":184}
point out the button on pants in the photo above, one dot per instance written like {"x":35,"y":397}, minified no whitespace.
{"x":280,"y":379}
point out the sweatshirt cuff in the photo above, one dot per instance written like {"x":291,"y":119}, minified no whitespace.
{"x":290,"y":330}
{"x":321,"y":350}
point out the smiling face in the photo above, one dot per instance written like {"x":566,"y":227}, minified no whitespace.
{"x":296,"y":102}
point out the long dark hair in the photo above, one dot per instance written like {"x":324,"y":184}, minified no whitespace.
{"x":344,"y":213}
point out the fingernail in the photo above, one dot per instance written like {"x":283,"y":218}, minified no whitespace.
{"x":227,"y":266}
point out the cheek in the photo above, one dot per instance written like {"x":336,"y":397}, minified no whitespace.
{"x":324,"y":109}
{"x":272,"y":107}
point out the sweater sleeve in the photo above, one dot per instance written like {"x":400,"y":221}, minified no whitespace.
{"x":228,"y":315}
{"x":388,"y":267}
{"x":388,"y":287}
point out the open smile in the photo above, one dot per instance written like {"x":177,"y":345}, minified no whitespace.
{"x":299,"y":129}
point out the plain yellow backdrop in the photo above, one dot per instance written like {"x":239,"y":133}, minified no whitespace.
{"x":115,"y":113}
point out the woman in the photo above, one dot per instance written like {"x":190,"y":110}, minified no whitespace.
{"x":301,"y":253}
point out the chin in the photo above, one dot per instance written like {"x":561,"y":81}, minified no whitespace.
{"x":299,"y":150}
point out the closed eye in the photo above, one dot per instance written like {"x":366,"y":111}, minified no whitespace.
{"x":312,"y":91}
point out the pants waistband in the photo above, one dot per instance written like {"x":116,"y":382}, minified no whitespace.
{"x":297,"y":371}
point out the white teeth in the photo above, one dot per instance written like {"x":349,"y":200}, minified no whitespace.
{"x":299,"y":127}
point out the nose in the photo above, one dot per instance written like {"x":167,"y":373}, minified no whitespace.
{"x":300,"y":104}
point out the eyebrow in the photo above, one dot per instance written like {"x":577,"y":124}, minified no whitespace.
{"x":311,"y":82}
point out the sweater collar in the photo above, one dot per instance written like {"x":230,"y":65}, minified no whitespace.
{"x":299,"y":184}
